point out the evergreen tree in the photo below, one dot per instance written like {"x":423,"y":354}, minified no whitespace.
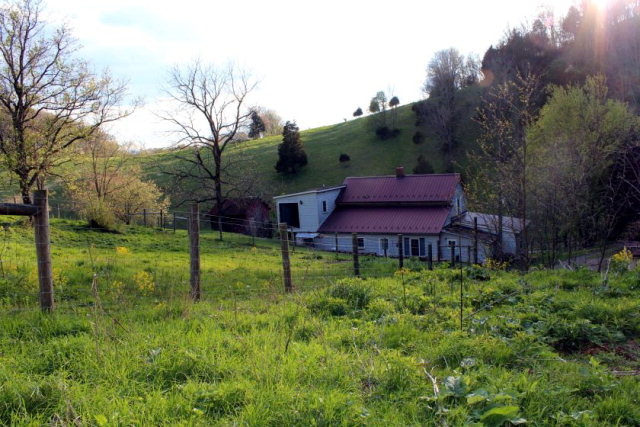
{"x":423,"y":165}
{"x":291,"y":155}
{"x":358,"y":112}
{"x":257,"y":126}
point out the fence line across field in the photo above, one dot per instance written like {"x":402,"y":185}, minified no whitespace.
{"x":294,"y":267}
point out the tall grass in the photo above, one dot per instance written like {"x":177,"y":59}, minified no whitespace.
{"x":546,"y":347}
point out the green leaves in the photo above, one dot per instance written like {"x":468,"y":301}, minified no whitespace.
{"x":500,"y":415}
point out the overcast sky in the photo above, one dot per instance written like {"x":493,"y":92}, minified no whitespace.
{"x":316,"y":61}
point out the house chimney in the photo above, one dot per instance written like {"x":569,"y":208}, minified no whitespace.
{"x":400,"y":172}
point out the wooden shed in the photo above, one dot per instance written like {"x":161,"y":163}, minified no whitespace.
{"x":243,"y":215}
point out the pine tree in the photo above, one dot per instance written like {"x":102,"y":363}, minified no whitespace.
{"x":257,"y":125}
{"x":423,"y":165}
{"x":291,"y":155}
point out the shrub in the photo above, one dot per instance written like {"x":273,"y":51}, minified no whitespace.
{"x":329,"y":306}
{"x":100,"y":216}
{"x":344,"y":158}
{"x":383,"y":132}
{"x":494,"y":264}
{"x":379,"y":308}
{"x":621,"y":261}
{"x":354,"y":291}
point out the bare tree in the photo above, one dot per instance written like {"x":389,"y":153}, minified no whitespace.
{"x":106,"y":167}
{"x":273,"y":123}
{"x":213,"y":110}
{"x":447,"y":73}
{"x":48,"y":99}
{"x":502,"y":158}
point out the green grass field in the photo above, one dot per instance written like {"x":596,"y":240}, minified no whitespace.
{"x":549,"y":347}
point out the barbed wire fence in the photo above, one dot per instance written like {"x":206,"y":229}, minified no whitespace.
{"x":181,"y":264}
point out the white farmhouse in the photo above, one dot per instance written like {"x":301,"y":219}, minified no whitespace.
{"x":418,"y":214}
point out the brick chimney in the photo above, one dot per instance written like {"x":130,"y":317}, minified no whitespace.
{"x":400,"y":172}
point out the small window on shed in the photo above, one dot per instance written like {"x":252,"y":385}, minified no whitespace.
{"x":360,"y":242}
{"x":324,"y":206}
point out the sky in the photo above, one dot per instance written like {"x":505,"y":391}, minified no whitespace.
{"x":315,"y":62}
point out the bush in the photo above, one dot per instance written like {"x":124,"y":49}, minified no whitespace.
{"x":329,"y":306}
{"x":344,"y":158}
{"x":100,"y":216}
{"x":418,"y":137}
{"x":354,"y":291}
{"x":383,"y":132}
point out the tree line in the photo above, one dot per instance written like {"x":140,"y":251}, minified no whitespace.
{"x":559,"y":144}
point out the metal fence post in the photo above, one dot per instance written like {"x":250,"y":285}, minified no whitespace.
{"x":452,"y":246}
{"x":194,"y":251}
{"x":356,"y":260}
{"x":430,"y":256}
{"x":475,"y":239}
{"x":400,"y":251}
{"x":286,"y":263}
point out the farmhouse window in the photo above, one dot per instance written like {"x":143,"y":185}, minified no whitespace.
{"x":360,"y":242}
{"x":324,"y":206}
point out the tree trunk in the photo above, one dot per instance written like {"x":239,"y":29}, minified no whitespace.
{"x":24,"y":189}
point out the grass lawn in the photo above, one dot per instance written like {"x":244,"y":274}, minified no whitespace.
{"x":549,"y":347}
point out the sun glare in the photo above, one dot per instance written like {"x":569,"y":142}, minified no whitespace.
{"x":600,"y":4}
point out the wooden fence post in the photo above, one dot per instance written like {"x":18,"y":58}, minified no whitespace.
{"x":174,"y":222}
{"x":194,"y":251}
{"x":400,"y":251}
{"x":161,"y":219}
{"x":144,"y":217}
{"x":430,"y":256}
{"x":475,"y":239}
{"x":286,"y":263}
{"x":356,"y":259}
{"x":43,"y":249}
{"x":337,"y":248}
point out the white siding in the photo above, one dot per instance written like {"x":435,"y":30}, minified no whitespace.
{"x":463,"y":250}
{"x":330,"y":198}
{"x":310,"y":207}
{"x":372,"y":243}
{"x":458,"y":204}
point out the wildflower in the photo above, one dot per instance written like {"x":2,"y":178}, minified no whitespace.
{"x":122,"y":250}
{"x":144,"y":282}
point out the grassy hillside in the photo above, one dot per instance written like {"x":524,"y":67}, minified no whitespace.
{"x":369,"y":155}
{"x":551,"y":347}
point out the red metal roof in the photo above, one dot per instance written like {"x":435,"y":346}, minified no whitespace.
{"x":386,"y":219}
{"x":408,"y":189}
